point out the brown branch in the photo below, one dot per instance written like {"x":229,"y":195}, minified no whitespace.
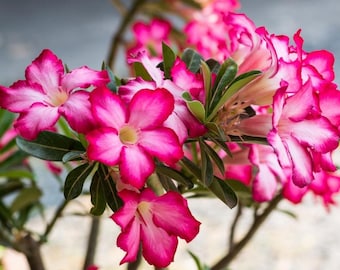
{"x":234,"y":225}
{"x":92,"y":242}
{"x":118,"y":36}
{"x":258,"y":221}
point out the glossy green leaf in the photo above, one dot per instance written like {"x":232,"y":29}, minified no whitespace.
{"x":73,"y":155}
{"x":197,"y":109}
{"x":224,"y":192}
{"x":207,"y":172}
{"x":205,"y":70}
{"x":74,"y":181}
{"x":97,"y":195}
{"x":25,"y":198}
{"x":169,"y":58}
{"x":213,"y":155}
{"x":166,"y":182}
{"x":192,"y":60}
{"x":213,"y":65}
{"x":173,"y":174}
{"x":109,"y":186}
{"x":49,"y":146}
{"x":224,"y":77}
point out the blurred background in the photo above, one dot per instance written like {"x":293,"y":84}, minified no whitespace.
{"x":79,"y":32}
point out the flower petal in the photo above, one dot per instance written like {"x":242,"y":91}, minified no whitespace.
{"x":158,"y":246}
{"x":46,"y":70}
{"x":20,"y":96}
{"x":135,"y":166}
{"x":161,"y":143}
{"x":77,"y":111}
{"x":104,"y":146}
{"x":107,"y":108}
{"x":84,"y":77}
{"x":150,"y":108}
{"x":171,"y":212}
{"x":38,"y":118}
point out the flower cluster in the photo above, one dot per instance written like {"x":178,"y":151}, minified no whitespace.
{"x":240,"y":104}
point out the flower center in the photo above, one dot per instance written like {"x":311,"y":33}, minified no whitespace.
{"x":143,"y":212}
{"x":59,"y":98}
{"x":128,"y":135}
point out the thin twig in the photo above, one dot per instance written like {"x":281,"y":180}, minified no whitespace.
{"x":120,"y":7}
{"x":92,"y":242}
{"x":118,"y":36}
{"x":234,"y":225}
{"x":226,"y":260}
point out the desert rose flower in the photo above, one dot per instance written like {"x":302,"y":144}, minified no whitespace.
{"x":154,"y":224}
{"x":48,"y":93}
{"x":131,"y":135}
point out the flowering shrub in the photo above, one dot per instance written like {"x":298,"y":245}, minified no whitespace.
{"x":225,"y":110}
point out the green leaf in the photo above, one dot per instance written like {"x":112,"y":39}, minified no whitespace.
{"x":216,"y":131}
{"x":213,"y":155}
{"x":6,"y":120}
{"x":16,"y":173}
{"x":192,"y":60}
{"x":49,"y":146}
{"x":97,"y":195}
{"x":224,"y":192}
{"x":205,"y":70}
{"x":223,"y":146}
{"x":73,"y":155}
{"x":197,"y":109}
{"x":15,"y":159}
{"x":173,"y":174}
{"x":213,"y":65}
{"x":207,"y":172}
{"x":167,"y":182}
{"x":234,"y":87}
{"x":109,"y":186}
{"x":140,"y":71}
{"x":10,"y":186}
{"x":25,"y":198}
{"x":75,"y":180}
{"x":239,"y":188}
{"x":169,"y":58}
{"x":112,"y":83}
{"x":199,"y":264}
{"x":224,"y":77}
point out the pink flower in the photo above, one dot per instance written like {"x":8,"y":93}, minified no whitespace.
{"x":154,"y":223}
{"x":180,"y":120}
{"x":299,"y":132}
{"x":132,"y":135}
{"x":48,"y":93}
{"x":149,"y":36}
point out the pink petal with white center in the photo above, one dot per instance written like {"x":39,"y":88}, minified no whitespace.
{"x":258,"y":125}
{"x":107,"y":108}
{"x":84,"y":77}
{"x":158,"y":246}
{"x":77,"y":111}
{"x":279,"y":148}
{"x":323,"y":62}
{"x":104,"y":146}
{"x":150,"y":108}
{"x":129,"y":241}
{"x":46,"y":70}
{"x":20,"y":96}
{"x":135,"y":166}
{"x":302,"y":173}
{"x":292,"y":192}
{"x":161,"y":143}
{"x":38,"y":118}
{"x":171,"y":212}
{"x":329,"y":103}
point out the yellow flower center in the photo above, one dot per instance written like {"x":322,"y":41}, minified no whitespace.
{"x":128,"y":135}
{"x":59,"y":98}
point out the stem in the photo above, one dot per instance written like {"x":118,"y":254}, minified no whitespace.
{"x":134,"y":265}
{"x":92,"y":242}
{"x":233,"y":226}
{"x":117,"y":38}
{"x":237,"y":247}
{"x":31,"y":249}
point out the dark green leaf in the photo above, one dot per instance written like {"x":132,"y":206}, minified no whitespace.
{"x":197,"y":109}
{"x":169,"y":58}
{"x":97,"y":195}
{"x":192,"y":60}
{"x":75,"y":180}
{"x":15,"y":159}
{"x":10,"y":186}
{"x":111,"y":196}
{"x":213,"y":155}
{"x":167,"y":182}
{"x":224,"y":192}
{"x":223,"y":146}
{"x":6,"y":120}
{"x":112,"y":83}
{"x":205,"y":70}
{"x":25,"y":198}
{"x":49,"y":146}
{"x":73,"y":155}
{"x":173,"y":174}
{"x":207,"y":172}
{"x":213,"y":65}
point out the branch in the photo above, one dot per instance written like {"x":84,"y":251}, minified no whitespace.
{"x":92,"y":242}
{"x":233,"y":226}
{"x":117,"y":38}
{"x":258,"y":221}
